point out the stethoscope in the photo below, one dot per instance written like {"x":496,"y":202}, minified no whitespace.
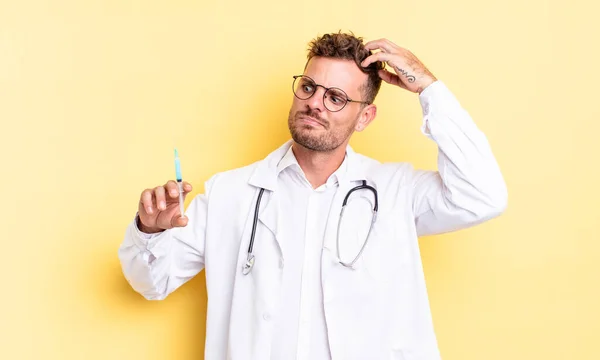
{"x":249,"y":264}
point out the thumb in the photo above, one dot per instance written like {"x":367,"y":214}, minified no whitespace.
{"x":179,"y":221}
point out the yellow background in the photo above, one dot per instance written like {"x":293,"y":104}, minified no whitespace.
{"x":94,"y":95}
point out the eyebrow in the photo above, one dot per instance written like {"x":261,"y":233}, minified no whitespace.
{"x":330,"y":87}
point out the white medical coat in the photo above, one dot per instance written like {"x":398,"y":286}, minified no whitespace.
{"x":380,"y":309}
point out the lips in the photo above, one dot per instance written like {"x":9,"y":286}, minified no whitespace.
{"x":310,"y":120}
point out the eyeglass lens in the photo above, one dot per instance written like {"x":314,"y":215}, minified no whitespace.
{"x":334,"y":99}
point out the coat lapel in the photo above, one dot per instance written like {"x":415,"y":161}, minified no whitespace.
{"x":269,"y":215}
{"x":265,"y":177}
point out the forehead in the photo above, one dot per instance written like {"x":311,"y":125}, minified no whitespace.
{"x":343,"y":74}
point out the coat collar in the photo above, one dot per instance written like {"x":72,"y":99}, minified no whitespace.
{"x":265,"y":173}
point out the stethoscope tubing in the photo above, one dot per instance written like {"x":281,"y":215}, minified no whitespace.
{"x":249,"y":264}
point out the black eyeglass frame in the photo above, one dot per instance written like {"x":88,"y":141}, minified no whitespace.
{"x":325,"y":93}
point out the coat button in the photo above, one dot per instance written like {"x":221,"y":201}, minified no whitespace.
{"x":267,"y":316}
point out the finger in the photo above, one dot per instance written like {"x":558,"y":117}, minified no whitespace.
{"x":380,"y":56}
{"x":388,"y":77}
{"x":159,"y":194}
{"x":391,"y":78}
{"x":381,"y":44}
{"x":179,"y":221}
{"x":172,"y":188}
{"x":146,"y":200}
{"x":187,"y":187}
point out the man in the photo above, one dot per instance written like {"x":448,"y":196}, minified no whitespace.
{"x":288,"y":275}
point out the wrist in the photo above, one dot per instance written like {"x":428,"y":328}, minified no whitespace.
{"x":146,"y":229}
{"x":425,"y":83}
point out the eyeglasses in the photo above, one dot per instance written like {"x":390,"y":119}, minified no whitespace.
{"x":334,"y":99}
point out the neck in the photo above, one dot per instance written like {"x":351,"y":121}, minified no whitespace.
{"x":318,"y":165}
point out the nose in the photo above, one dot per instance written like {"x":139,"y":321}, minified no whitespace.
{"x":316,"y":100}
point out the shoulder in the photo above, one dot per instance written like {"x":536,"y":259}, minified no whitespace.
{"x":394,"y":176}
{"x":383,"y":170}
{"x":231,"y":180}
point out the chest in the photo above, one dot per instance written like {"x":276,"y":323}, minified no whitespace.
{"x":306,"y":227}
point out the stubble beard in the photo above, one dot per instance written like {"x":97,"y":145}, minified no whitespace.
{"x":307,"y":136}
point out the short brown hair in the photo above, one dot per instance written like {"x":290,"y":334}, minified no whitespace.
{"x":349,"y":47}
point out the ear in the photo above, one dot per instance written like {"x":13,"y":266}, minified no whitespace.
{"x":366,"y":116}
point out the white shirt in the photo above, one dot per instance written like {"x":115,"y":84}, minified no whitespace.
{"x":301,"y":330}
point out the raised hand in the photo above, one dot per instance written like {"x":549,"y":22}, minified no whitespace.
{"x":410,"y":73}
{"x":158,"y":208}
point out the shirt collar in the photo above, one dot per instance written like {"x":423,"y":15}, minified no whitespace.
{"x":265,"y":173}
{"x":289,"y":161}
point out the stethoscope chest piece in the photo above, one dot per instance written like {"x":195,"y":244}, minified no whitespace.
{"x":248,"y":265}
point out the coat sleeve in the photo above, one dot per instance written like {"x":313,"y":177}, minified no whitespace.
{"x":468,"y":187}
{"x":156,"y":265}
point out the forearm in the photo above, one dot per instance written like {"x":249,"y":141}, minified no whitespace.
{"x":468,"y":187}
{"x":145,"y":261}
{"x":466,"y":162}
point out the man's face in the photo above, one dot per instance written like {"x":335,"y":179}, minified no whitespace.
{"x":317,"y":128}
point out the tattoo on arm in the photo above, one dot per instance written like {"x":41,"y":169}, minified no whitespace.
{"x":410,"y":78}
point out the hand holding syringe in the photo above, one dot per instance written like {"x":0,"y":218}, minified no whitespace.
{"x":162,"y":207}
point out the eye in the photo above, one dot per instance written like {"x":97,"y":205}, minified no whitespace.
{"x":308,"y":88}
{"x":335,"y":99}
